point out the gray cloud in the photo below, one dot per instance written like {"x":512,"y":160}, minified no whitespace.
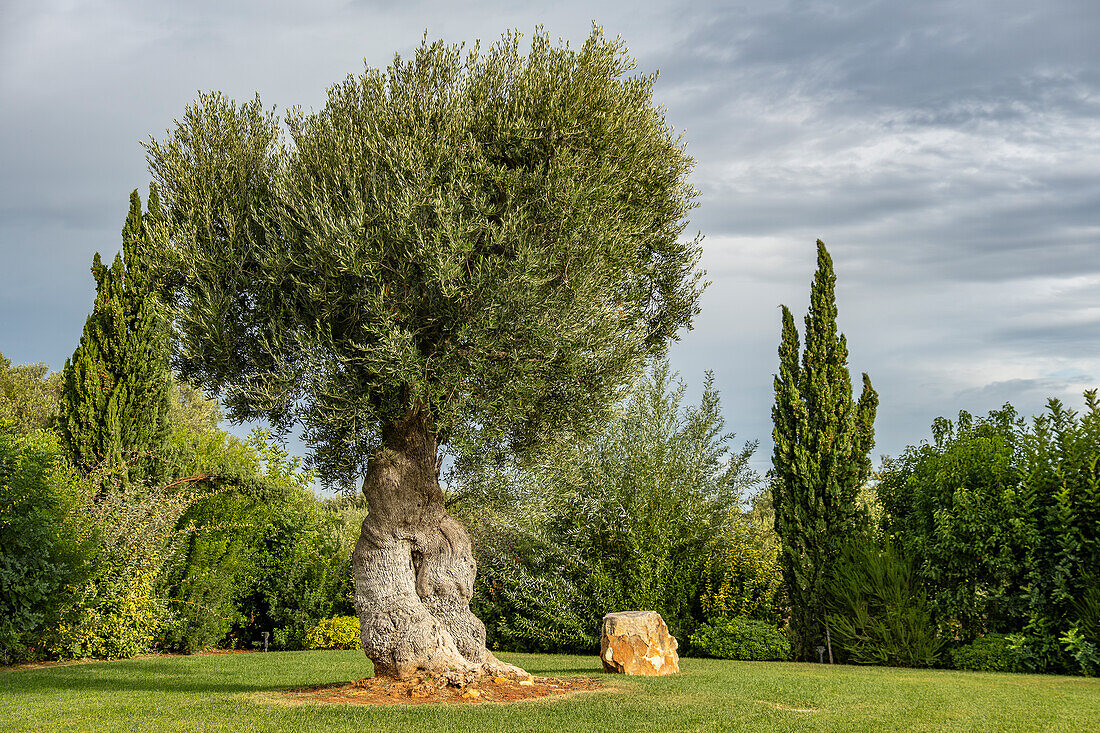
{"x":948,"y":153}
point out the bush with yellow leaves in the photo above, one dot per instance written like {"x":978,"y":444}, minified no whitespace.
{"x":341,"y":632}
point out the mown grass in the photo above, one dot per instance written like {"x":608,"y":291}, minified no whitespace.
{"x":211,"y":693}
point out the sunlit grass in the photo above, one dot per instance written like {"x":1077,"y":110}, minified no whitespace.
{"x":242,"y":693}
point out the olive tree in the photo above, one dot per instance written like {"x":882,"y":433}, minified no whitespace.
{"x":475,"y":244}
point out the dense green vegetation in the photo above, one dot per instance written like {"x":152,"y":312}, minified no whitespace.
{"x":233,"y":545}
{"x":1001,"y":518}
{"x":976,"y":549}
{"x":241,"y":693}
{"x":42,"y":550}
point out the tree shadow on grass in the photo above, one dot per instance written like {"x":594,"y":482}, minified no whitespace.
{"x":167,"y":674}
{"x":96,"y":681}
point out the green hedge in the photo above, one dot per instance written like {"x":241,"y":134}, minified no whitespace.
{"x":989,"y":653}
{"x":741,"y":638}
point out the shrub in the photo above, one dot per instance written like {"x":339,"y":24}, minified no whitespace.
{"x":115,"y":616}
{"x":205,"y":586}
{"x":43,"y":552}
{"x":526,"y":592}
{"x":1059,"y":467}
{"x":261,"y":553}
{"x":341,"y":632}
{"x":300,"y":573}
{"x":741,"y":638}
{"x":119,"y":610}
{"x":743,"y":577}
{"x":989,"y":653}
{"x":878,"y":612}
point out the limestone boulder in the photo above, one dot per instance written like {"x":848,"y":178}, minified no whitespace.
{"x":638,"y":642}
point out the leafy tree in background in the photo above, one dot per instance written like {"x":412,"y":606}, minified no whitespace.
{"x":28,"y":395}
{"x":629,"y":519}
{"x":820,"y":461}
{"x":1001,"y":518}
{"x":115,"y":400}
{"x":953,"y":506}
{"x":1059,"y":467}
{"x":483,"y":244}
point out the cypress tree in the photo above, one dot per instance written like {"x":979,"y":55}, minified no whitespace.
{"x":821,"y":456}
{"x":114,"y":402}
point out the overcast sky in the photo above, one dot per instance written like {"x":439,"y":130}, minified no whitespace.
{"x":947,"y":152}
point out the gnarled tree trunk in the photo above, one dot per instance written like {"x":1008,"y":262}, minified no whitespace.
{"x":414,"y":568}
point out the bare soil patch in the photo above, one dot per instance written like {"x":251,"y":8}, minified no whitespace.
{"x":429,"y":689}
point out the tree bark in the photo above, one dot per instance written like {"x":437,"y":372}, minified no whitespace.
{"x":414,"y":568}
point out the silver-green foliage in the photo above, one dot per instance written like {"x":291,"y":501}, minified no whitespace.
{"x":28,"y":395}
{"x":626,"y":520}
{"x":490,"y":238}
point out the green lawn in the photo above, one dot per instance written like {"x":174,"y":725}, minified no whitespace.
{"x":210,"y":693}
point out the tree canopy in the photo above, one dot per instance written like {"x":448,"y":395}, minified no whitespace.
{"x":28,"y":395}
{"x":489,"y":239}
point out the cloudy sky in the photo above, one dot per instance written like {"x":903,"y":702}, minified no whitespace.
{"x":947,"y":151}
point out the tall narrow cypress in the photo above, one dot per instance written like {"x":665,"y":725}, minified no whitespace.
{"x":114,"y":402}
{"x":821,"y":456}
